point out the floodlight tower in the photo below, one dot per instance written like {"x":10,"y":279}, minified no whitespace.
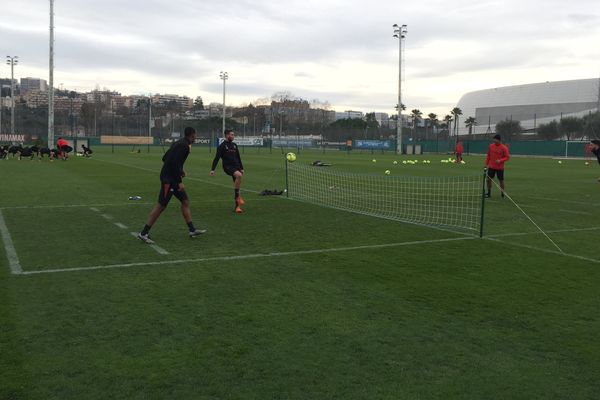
{"x":51,"y":79}
{"x":224,"y":76}
{"x":399,"y":33}
{"x":12,"y":61}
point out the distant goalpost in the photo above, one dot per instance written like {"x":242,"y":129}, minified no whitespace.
{"x":452,"y":203}
{"x":577,"y":150}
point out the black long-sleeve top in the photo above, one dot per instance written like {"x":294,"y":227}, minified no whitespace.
{"x":173,"y":160}
{"x":597,"y":154}
{"x":229,"y":153}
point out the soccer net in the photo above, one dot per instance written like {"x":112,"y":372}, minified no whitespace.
{"x":451,"y":202}
{"x":578,"y":149}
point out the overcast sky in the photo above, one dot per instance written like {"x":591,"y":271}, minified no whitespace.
{"x":339,"y":51}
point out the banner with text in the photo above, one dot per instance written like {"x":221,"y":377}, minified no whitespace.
{"x":246,"y":141}
{"x":12,"y":138}
{"x":373,"y":144}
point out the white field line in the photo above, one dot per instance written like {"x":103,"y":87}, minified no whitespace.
{"x":156,"y":247}
{"x":155,"y":171}
{"x":249,"y":256}
{"x":124,"y":204}
{"x":576,"y":212}
{"x":9,"y":247}
{"x":582,"y":203}
{"x":571,"y":230}
{"x":525,"y":246}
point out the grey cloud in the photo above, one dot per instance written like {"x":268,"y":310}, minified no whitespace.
{"x":184,"y":40}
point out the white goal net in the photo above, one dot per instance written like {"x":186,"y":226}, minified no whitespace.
{"x":451,"y":202}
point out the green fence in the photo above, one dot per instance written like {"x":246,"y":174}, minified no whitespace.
{"x":525,"y":148}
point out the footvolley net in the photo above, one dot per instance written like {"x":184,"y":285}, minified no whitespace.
{"x":451,"y":202}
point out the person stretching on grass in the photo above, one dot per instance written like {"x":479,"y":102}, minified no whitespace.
{"x":232,"y":165}
{"x":497,"y":155}
{"x":171,"y":185}
{"x":595,"y":147}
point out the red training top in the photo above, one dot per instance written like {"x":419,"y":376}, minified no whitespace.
{"x":497,"y":155}
{"x":61,"y":142}
{"x":459,"y":149}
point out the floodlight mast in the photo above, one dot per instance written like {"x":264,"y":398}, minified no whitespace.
{"x":399,"y":33}
{"x":224,"y":76}
{"x":51,"y":79}
{"x":12,"y":61}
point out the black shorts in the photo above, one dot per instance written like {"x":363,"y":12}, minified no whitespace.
{"x":492,"y":173}
{"x":231,"y":170}
{"x":168,"y":190}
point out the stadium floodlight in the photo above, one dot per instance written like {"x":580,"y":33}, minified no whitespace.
{"x":399,"y":33}
{"x":224,"y":76}
{"x":12,"y":61}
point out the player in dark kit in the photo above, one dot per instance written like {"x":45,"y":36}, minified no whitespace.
{"x":171,"y":185}
{"x":232,"y":165}
{"x":595,"y":147}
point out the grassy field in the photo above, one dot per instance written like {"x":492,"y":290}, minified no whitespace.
{"x":279,"y":303}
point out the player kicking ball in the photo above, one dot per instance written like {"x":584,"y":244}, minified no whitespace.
{"x":232,"y":165}
{"x":497,"y":155}
{"x":171,"y":184}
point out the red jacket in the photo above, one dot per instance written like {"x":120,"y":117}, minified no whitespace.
{"x":497,"y":155}
{"x":459,"y":149}
{"x":61,"y":142}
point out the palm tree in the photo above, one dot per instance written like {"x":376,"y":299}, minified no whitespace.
{"x":433,"y":120}
{"x":456,"y":112}
{"x":416,"y":115}
{"x":448,"y":120}
{"x":470,"y":123}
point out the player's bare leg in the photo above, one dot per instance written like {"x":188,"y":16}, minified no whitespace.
{"x":152,"y":218}
{"x":187,"y":216}
{"x":154,"y":214}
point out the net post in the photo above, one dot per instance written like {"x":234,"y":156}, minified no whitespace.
{"x":287,"y":189}
{"x":482,"y":203}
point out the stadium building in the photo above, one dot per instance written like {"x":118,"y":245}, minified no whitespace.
{"x":531,"y":104}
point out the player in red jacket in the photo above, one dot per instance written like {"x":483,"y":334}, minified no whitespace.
{"x":459,"y":150}
{"x":63,"y":148}
{"x":497,"y":155}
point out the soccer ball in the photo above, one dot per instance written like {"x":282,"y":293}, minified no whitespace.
{"x":560,"y":162}
{"x":463,"y":162}
{"x":404,"y":162}
{"x":374,"y":160}
{"x":587,"y":163}
{"x":395,"y":162}
{"x":387,"y":172}
{"x":291,"y":157}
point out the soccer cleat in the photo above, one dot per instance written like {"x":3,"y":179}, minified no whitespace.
{"x":238,"y":210}
{"x":197,"y":232}
{"x":239,"y":201}
{"x":145,"y":238}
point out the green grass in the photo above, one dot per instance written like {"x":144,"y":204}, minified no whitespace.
{"x":465,"y":319}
